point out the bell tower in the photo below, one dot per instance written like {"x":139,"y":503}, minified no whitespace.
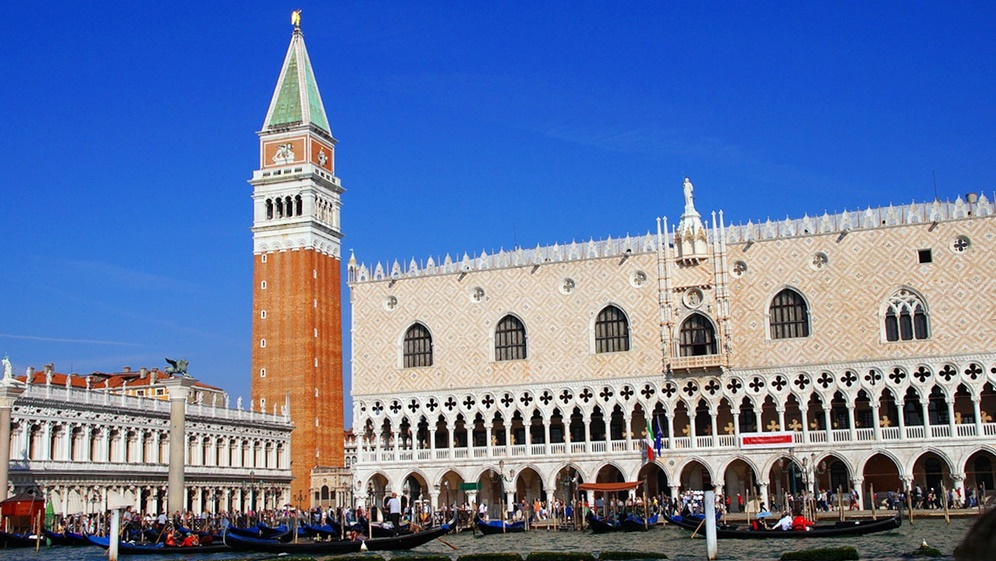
{"x":297,"y":300}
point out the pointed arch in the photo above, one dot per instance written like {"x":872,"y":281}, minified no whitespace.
{"x":697,"y":336}
{"x":905,"y":316}
{"x":788,"y":315}
{"x":416,"y":346}
{"x":510,"y":339}
{"x":611,"y":330}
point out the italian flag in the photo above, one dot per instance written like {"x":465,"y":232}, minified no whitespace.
{"x":649,"y":438}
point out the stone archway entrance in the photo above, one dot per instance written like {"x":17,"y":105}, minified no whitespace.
{"x":738,"y":484}
{"x":881,"y":475}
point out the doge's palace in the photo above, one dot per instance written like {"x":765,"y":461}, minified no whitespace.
{"x":854,"y":350}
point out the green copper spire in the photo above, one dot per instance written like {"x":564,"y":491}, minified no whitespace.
{"x":296,"y":100}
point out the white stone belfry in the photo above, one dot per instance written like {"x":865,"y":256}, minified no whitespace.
{"x":690,"y":241}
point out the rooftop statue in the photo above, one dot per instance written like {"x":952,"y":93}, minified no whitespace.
{"x":177,"y":367}
{"x":687,"y":188}
{"x":8,"y":375}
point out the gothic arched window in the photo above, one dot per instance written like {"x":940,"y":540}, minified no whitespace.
{"x":417,"y":347}
{"x":697,"y":337}
{"x":788,"y":316}
{"x":611,"y":331}
{"x":510,"y":339}
{"x":906,"y":317}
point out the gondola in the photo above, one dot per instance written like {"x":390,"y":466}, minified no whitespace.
{"x":66,"y":538}
{"x":10,"y":540}
{"x":157,"y":548}
{"x":633,"y":523}
{"x":384,"y":530}
{"x":259,"y":531}
{"x":603,"y":525}
{"x":492,"y":527}
{"x":838,"y":529}
{"x":336,"y":547}
{"x":329,"y":530}
{"x":407,"y":541}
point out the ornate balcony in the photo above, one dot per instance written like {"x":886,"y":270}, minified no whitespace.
{"x":683,"y":364}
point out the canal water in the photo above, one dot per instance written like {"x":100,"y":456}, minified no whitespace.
{"x":672,"y":541}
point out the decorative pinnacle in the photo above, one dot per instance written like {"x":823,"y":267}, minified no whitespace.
{"x":296,"y":19}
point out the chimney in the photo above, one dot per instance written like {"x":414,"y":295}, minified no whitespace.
{"x":127,"y":369}
{"x":143,"y":373}
{"x":152,"y":377}
{"x":972,"y":198}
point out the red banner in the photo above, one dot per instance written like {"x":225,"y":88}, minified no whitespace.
{"x":783,"y":439}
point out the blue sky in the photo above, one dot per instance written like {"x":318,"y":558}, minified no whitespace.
{"x":129,"y":134}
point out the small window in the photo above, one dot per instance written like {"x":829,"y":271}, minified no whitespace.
{"x":961,"y":244}
{"x":262,"y":343}
{"x":262,"y":314}
{"x":262,"y":285}
{"x":262,"y":259}
{"x":788,"y":316}
{"x":925,"y":256}
{"x":160,"y":391}
{"x":141,"y":393}
{"x":697,"y":337}
{"x":510,"y":339}
{"x":417,"y":347}
{"x":611,"y":331}
{"x":906,"y":317}
{"x":262,"y":373}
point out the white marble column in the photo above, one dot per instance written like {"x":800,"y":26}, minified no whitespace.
{"x":10,"y":390}
{"x":587,"y":432}
{"x":951,"y":419}
{"x":179,"y":389}
{"x":714,"y":421}
{"x":805,"y":424}
{"x":858,"y":485}
{"x":876,"y":424}
{"x":977,"y":409}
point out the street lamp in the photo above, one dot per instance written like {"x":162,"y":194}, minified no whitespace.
{"x":568,"y":481}
{"x":370,"y":500}
{"x":504,"y":479}
{"x":501,"y":471}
